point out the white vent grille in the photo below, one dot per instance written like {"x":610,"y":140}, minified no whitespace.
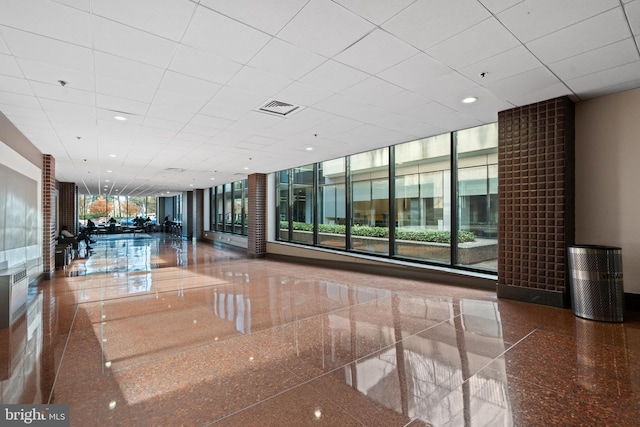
{"x":13,"y":294}
{"x":279,"y":108}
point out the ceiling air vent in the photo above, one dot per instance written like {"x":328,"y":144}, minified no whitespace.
{"x":278,"y":108}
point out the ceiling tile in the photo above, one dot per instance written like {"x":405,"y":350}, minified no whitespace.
{"x":498,"y":67}
{"x":375,"y":11}
{"x":633,"y":15}
{"x":285,"y":59}
{"x":187,"y":85}
{"x":49,"y":51}
{"x":122,"y":105}
{"x":124,"y":89}
{"x":325,"y":28}
{"x":377,"y":51}
{"x":334,"y":76}
{"x":242,"y":99}
{"x":127,"y":42}
{"x":512,"y":88}
{"x":620,"y":78}
{"x":372,"y":90}
{"x":482,"y":41}
{"x":208,"y":28}
{"x":165,"y":18}
{"x":127,"y":70}
{"x":593,"y":61}
{"x":415,"y":71}
{"x":210,"y":122}
{"x":203,"y":65}
{"x":266,"y":15}
{"x":532,"y":19}
{"x":66,"y":93}
{"x":259,"y":81}
{"x":20,"y":100}
{"x":429,"y":112}
{"x":444,"y":86}
{"x":339,"y":104}
{"x":426,"y":23}
{"x":15,"y":85}
{"x":9,"y":66}
{"x":403,"y":101}
{"x":497,"y":6}
{"x":601,"y":30}
{"x":49,"y":74}
{"x":43,"y":17}
{"x":302,"y":94}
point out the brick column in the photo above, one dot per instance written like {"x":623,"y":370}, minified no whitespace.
{"x":48,"y":216}
{"x":198,"y":214}
{"x":536,"y":181}
{"x":257,"y":227}
{"x":68,"y":206}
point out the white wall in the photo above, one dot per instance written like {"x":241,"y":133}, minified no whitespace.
{"x":608,"y":178}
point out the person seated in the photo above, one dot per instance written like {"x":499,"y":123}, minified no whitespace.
{"x":112,"y":225}
{"x":91,"y":227}
{"x":81,"y":237}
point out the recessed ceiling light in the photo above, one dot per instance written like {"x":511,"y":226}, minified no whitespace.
{"x":121,"y":118}
{"x":112,"y":155}
{"x":309,"y":148}
{"x":246,"y":168}
{"x":470,"y":100}
{"x":106,"y":180}
{"x":212,"y":179}
{"x":109,"y":171}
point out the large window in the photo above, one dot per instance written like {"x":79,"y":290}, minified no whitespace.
{"x":406,"y":201}
{"x":122,"y":208}
{"x":423,"y":198}
{"x":229,"y":207}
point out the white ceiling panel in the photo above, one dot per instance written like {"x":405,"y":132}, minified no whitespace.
{"x":190,"y":74}
{"x":66,"y":93}
{"x":377,"y":51}
{"x":593,"y":61}
{"x":165,"y":18}
{"x":415,"y":71}
{"x":208,"y":28}
{"x":601,"y":30}
{"x":532,"y":19}
{"x":37,"y":71}
{"x":324,"y":27}
{"x":426,"y":23}
{"x":48,"y":51}
{"x":127,"y":70}
{"x":333,"y":76}
{"x":203,"y":65}
{"x":285,"y":59}
{"x":632,"y":11}
{"x":259,"y":81}
{"x":482,"y":41}
{"x":506,"y":64}
{"x":35,"y":16}
{"x":9,"y":66}
{"x":15,"y":85}
{"x":121,"y":40}
{"x":267,"y":15}
{"x":375,"y":11}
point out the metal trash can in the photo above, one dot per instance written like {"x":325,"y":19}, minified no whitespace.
{"x":596,"y":282}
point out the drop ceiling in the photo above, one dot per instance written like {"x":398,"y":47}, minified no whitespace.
{"x":190,"y":77}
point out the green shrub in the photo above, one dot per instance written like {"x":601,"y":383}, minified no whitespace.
{"x":432,"y":236}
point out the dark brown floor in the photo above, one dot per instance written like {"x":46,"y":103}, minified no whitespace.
{"x":152,"y":331}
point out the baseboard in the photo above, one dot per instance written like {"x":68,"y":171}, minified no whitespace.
{"x":535,"y":296}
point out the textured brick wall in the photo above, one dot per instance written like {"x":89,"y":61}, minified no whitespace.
{"x":536,"y":201}
{"x":68,"y":206}
{"x":257,"y":227}
{"x":198,"y":214}
{"x":49,"y":215}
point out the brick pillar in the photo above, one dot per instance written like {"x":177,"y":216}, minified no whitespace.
{"x":198,"y":214}
{"x":257,"y":227}
{"x":536,"y":181}
{"x":68,"y":206}
{"x":49,"y":215}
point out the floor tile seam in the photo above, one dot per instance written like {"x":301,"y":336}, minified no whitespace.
{"x":62,"y":356}
{"x":141,"y":295}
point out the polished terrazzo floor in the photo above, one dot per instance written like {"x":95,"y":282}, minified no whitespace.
{"x":155,"y":331}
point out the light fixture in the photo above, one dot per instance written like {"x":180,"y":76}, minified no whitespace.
{"x":212,"y":178}
{"x":246,"y":168}
{"x":106,"y":180}
{"x":470,"y":100}
{"x":121,"y":118}
{"x":112,"y":155}
{"x":309,"y":148}
{"x":109,"y":171}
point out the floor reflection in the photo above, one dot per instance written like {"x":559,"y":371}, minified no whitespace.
{"x":154,"y":330}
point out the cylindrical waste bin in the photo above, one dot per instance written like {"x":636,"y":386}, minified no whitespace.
{"x":596,"y":282}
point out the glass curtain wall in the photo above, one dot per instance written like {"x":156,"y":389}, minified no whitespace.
{"x":302,"y":204}
{"x":369,"y":173}
{"x":423,"y":198}
{"x":441,"y":214}
{"x":229,"y":207}
{"x":478,"y":195}
{"x":332,"y":213}
{"x":122,"y":208}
